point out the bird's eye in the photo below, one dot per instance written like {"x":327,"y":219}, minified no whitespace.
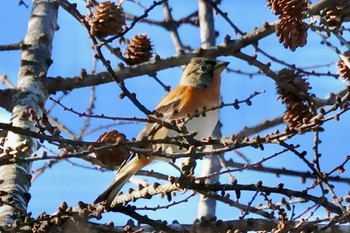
{"x":204,"y":68}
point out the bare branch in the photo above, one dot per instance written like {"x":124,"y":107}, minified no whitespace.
{"x":66,"y":84}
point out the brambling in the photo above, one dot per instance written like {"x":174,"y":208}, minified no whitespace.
{"x":199,"y":89}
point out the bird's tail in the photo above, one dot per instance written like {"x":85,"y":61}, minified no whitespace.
{"x":124,"y":174}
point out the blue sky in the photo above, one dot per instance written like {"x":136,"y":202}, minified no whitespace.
{"x":72,"y":52}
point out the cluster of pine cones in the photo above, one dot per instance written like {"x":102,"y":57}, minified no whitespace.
{"x":292,"y":32}
{"x":332,"y":17}
{"x":108,"y":20}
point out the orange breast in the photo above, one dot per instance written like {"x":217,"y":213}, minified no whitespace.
{"x":197,"y":98}
{"x":184,"y":100}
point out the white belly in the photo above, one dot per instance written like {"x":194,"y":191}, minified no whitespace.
{"x":204,"y":126}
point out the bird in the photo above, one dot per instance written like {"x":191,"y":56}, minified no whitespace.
{"x":198,"y":89}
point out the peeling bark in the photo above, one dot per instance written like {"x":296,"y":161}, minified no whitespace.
{"x":28,"y":105}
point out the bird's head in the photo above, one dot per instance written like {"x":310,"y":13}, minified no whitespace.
{"x":200,"y":72}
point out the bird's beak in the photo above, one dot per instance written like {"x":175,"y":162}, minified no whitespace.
{"x":220,"y":66}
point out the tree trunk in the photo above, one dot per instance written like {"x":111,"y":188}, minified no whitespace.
{"x":27,"y":110}
{"x":211,"y":164}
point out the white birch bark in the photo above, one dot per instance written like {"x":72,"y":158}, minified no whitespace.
{"x":35,"y":61}
{"x":207,"y":206}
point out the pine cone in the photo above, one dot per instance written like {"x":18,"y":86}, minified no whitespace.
{"x":139,"y":49}
{"x":106,"y":20}
{"x":296,"y":84}
{"x":293,"y":7}
{"x":343,"y":69}
{"x":296,"y":115}
{"x":288,"y":7}
{"x":112,"y":157}
{"x":275,"y":6}
{"x":292,"y":32}
{"x":335,"y":14}
{"x":298,"y":111}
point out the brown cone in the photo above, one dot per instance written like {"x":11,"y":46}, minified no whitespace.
{"x":288,"y":7}
{"x":139,"y":49}
{"x":275,"y":6}
{"x":343,"y":69}
{"x":298,"y":111}
{"x":112,"y":157}
{"x":106,"y":20}
{"x":335,"y":14}
{"x":293,"y":7}
{"x":292,"y":32}
{"x":296,"y":115}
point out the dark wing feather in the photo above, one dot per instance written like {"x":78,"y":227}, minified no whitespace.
{"x":167,"y":109}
